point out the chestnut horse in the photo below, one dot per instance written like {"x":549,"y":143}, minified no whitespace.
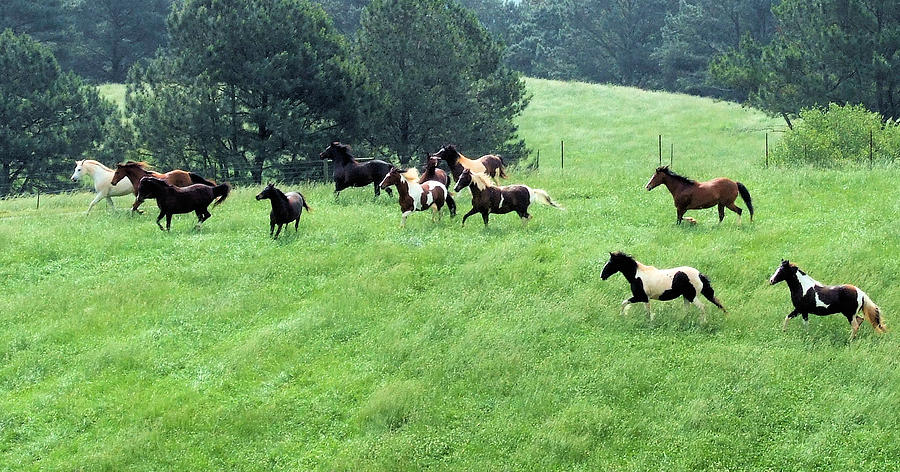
{"x":413,"y":196}
{"x":173,"y":200}
{"x":432,"y":172}
{"x":809,"y":296}
{"x":489,"y":164}
{"x":286,"y":208}
{"x":137,"y":170}
{"x":350,"y":173}
{"x":488,"y":198}
{"x":691,"y":195}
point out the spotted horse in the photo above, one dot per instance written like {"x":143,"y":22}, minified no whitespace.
{"x":811,"y":297}
{"x":649,"y":283}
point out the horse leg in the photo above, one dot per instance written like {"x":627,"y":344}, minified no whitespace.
{"x":403,"y":218}
{"x":788,"y":318}
{"x":451,"y":205}
{"x":702,"y":308}
{"x":377,"y":189}
{"x":721,"y":212}
{"x":434,"y":213}
{"x":854,"y":326}
{"x":137,"y":203}
{"x":647,"y":304}
{"x":736,"y":209}
{"x":470,"y":213}
{"x":109,"y":201}
{"x":168,"y":222}
{"x":484,"y":216}
{"x":94,"y":202}
{"x":279,"y":230}
{"x":296,"y":223}
{"x":161,"y":215}
{"x":389,"y":192}
{"x":806,"y":321}
{"x":680,"y":215}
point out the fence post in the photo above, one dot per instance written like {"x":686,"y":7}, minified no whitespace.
{"x":325,"y":170}
{"x":767,"y":150}
{"x":38,"y":207}
{"x":660,"y":150}
{"x":562,"y":154}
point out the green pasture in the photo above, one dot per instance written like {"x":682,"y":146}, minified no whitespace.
{"x":356,"y":345}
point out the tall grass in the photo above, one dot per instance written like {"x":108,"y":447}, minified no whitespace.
{"x":355,"y":345}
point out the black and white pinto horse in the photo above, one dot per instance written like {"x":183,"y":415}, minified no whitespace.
{"x":649,"y":283}
{"x":350,"y":173}
{"x":811,"y":297}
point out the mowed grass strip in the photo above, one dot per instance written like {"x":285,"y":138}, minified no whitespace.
{"x":355,"y":345}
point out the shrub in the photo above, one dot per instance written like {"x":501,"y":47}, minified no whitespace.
{"x":839,"y":135}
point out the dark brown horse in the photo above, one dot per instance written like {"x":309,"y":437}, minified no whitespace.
{"x":286,"y":208}
{"x":489,"y":164}
{"x":173,"y":200}
{"x":488,"y":198}
{"x":413,"y":196}
{"x":137,"y":170}
{"x":432,"y":172}
{"x":692,"y":195}
{"x":350,"y":173}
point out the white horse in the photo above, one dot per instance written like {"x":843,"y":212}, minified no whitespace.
{"x":102,"y":176}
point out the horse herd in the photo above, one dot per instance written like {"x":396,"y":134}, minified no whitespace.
{"x":179,"y":191}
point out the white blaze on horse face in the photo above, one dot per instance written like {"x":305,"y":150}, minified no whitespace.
{"x":382,"y":180}
{"x":78,"y":170}
{"x":777,"y":271}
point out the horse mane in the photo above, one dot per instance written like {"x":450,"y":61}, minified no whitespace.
{"x":140,"y":164}
{"x":343,"y":149}
{"x":96,"y":163}
{"x":622,"y":254}
{"x":482,"y":180}
{"x":680,"y":178}
{"x":411,"y":174}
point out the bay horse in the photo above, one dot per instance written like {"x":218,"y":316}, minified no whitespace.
{"x":415,"y":196}
{"x":692,"y":195}
{"x":135,"y":171}
{"x":489,"y":164}
{"x":102,"y":177}
{"x":286,"y":208}
{"x":649,"y":283}
{"x":811,"y":297}
{"x":487,"y":198}
{"x":432,"y":172}
{"x":174,"y":200}
{"x":350,"y":173}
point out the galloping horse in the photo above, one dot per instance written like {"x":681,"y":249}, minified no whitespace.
{"x":350,"y":173}
{"x":172,"y":200}
{"x":489,"y":164}
{"x":286,"y":207}
{"x":649,"y":283}
{"x":811,"y":297}
{"x":432,"y":172}
{"x":488,"y":198}
{"x":135,"y":171}
{"x":415,"y":196}
{"x":691,"y":195}
{"x":102,"y":177}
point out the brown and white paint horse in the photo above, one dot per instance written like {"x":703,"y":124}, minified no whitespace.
{"x":487,"y":198}
{"x":432,"y":172}
{"x":692,"y":195}
{"x":415,"y":196}
{"x":811,"y":297}
{"x":649,"y":283}
{"x":489,"y":164}
{"x":135,"y":171}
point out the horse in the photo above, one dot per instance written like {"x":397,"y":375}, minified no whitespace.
{"x":811,"y":297}
{"x":135,"y":171}
{"x":649,"y":283}
{"x":489,"y":164}
{"x":415,"y":196}
{"x":286,"y":208}
{"x":350,"y":173}
{"x":102,"y":176}
{"x":172,"y":199}
{"x":432,"y":172}
{"x":487,"y":198}
{"x":691,"y":195}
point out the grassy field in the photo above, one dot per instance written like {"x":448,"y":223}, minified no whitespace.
{"x":355,"y":345}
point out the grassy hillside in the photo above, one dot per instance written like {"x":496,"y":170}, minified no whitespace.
{"x":355,"y":345}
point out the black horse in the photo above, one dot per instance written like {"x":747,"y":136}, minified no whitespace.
{"x":350,"y":173}
{"x":171,"y":199}
{"x":286,"y":207}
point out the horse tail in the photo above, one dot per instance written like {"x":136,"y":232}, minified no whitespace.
{"x":502,"y":168}
{"x":222,"y":192}
{"x":745,"y":195}
{"x":707,"y":291}
{"x":543,"y":197}
{"x":196,"y":179}
{"x":872,"y":313}
{"x":303,"y":199}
